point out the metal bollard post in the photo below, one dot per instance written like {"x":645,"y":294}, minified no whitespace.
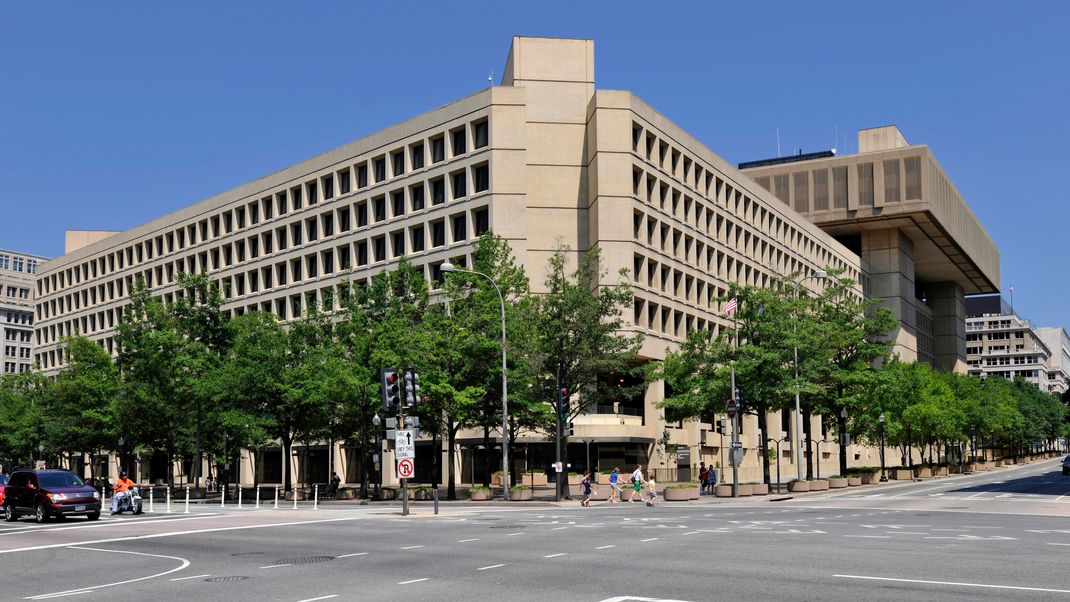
{"x":316,"y":497}
{"x":222,"y":496}
{"x":436,"y":500}
{"x":239,"y":496}
{"x":258,"y":497}
{"x":295,"y":498}
{"x":152,"y":491}
{"x":187,"y":500}
{"x":276,"y":497}
{"x":169,"y":499}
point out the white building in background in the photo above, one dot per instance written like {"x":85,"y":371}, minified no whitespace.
{"x":1058,"y":342}
{"x":17,"y":272}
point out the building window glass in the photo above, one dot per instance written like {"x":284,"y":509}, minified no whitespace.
{"x":802,"y":192}
{"x":891,"y":181}
{"x":865,"y":185}
{"x":481,"y":177}
{"x":821,"y":190}
{"x":839,"y":187}
{"x":912,"y":169}
{"x":480,"y":134}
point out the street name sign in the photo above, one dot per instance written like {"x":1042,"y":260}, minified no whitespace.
{"x":737,"y":445}
{"x":405,"y":445}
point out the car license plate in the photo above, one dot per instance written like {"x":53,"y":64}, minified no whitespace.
{"x":80,"y":508}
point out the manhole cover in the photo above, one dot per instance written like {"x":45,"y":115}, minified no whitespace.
{"x":222,"y":579}
{"x":305,"y":560}
{"x":247,"y":554}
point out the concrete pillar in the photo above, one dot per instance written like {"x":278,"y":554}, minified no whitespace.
{"x":949,"y":326}
{"x":888,"y":258}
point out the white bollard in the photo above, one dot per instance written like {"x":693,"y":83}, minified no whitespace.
{"x":316,"y":497}
{"x":187,"y":500}
{"x":169,"y":499}
{"x":152,"y":506}
{"x":258,"y":497}
{"x":295,"y":498}
{"x":276,"y":497}
{"x":239,"y":496}
{"x":222,"y":496}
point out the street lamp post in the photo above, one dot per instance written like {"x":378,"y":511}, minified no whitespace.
{"x":843,"y":442}
{"x":376,"y":421}
{"x":884,"y":476}
{"x":449,"y":268}
{"x":817,"y":275}
{"x":819,"y":454}
{"x":783,"y":438}
{"x":589,"y":442}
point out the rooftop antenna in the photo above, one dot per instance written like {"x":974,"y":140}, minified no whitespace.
{"x":490,"y":78}
{"x":1012,"y":297}
{"x":778,"y":141}
{"x":835,"y":138}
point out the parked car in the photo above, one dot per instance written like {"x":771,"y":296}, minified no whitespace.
{"x":3,"y":483}
{"x":1066,"y":466}
{"x":48,"y":493}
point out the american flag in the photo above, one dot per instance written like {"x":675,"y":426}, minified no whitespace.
{"x":730,"y":307}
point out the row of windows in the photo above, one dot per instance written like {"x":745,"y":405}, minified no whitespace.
{"x":649,"y":315}
{"x":12,"y":367}
{"x":18,"y":317}
{"x":12,"y":351}
{"x":652,"y":275}
{"x":16,"y":263}
{"x":22,"y":336}
{"x":285,"y":306}
{"x":362,"y":253}
{"x":811,"y":191}
{"x":352,"y":216}
{"x":18,"y":292}
{"x":451,"y":144}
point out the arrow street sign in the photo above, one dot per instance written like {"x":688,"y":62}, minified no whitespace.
{"x":405,"y":468}
{"x":737,"y":445}
{"x":405,"y":448}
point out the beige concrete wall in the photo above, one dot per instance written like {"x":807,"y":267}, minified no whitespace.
{"x":76,"y":239}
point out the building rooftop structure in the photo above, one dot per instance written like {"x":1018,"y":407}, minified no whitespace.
{"x":17,"y":272}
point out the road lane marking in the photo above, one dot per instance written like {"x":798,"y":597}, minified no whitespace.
{"x":275,"y":566}
{"x":487,"y":568}
{"x":605,"y":547}
{"x":1059,"y":544}
{"x":193,"y":577}
{"x":555,"y":555}
{"x":82,"y":590}
{"x":958,"y":584}
{"x":870,"y":536}
{"x":413,"y":581}
{"x":101,"y":523}
{"x":692,"y":532}
{"x":352,"y":555}
{"x":320,"y":598}
{"x":512,"y":534}
{"x":411,"y":547}
{"x":468,"y":540}
{"x":558,"y":528}
{"x":74,"y":593}
{"x":648,"y":539}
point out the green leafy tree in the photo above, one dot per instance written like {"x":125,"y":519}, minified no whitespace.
{"x":79,"y":418}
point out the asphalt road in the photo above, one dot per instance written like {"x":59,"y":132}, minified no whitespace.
{"x":947,"y":539}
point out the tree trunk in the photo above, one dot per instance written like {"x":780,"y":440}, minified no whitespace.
{"x":287,"y":442}
{"x":451,"y":477}
{"x":197,"y":459}
{"x":843,"y":448}
{"x":486,"y":456}
{"x":364,"y":472}
{"x":809,"y":445}
{"x":763,"y":427}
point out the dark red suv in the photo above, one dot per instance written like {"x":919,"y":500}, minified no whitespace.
{"x":48,"y":493}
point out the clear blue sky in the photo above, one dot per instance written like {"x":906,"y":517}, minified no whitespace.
{"x":114,"y":114}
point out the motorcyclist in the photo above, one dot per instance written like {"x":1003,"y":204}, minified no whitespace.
{"x":122,"y":490}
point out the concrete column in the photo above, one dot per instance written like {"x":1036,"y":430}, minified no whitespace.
{"x":888,"y":258}
{"x":949,"y":325}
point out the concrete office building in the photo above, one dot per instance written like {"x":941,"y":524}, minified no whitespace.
{"x":1000,"y":343}
{"x":1058,"y":343}
{"x":544,"y":159}
{"x":922,"y":248}
{"x":17,"y":272}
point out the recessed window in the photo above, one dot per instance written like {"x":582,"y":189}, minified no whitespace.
{"x":458,"y":142}
{"x":481,"y":177}
{"x":362,"y":175}
{"x":438,"y":233}
{"x":295,"y":234}
{"x":438,"y":191}
{"x":343,"y":219}
{"x":438,"y":149}
{"x":459,"y":227}
{"x":379,"y":208}
{"x":397,"y":203}
{"x":311,"y":230}
{"x":398,"y":242}
{"x":345,"y":184}
{"x":379,"y":169}
{"x":312,"y":189}
{"x":459,"y":184}
{"x":362,"y":253}
{"x":328,"y":188}
{"x":362,"y":214}
{"x":480,"y":134}
{"x":379,"y":248}
{"x":416,"y":234}
{"x":397,"y":161}
{"x":416,"y":197}
{"x":416,"y":156}
{"x":481,"y":221}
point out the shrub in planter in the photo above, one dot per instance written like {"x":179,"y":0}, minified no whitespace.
{"x":479,"y":494}
{"x":422,"y":493}
{"x":854,"y":481}
{"x":837,"y":482}
{"x":799,"y":486}
{"x":520,"y":493}
{"x":819,"y":485}
{"x":680,"y":492}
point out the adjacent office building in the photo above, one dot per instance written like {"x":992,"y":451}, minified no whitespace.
{"x":1058,"y":343}
{"x":546,"y":160}
{"x":17,"y":272}
{"x":1002,"y":344}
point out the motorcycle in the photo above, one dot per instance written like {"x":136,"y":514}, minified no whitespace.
{"x":131,"y":501}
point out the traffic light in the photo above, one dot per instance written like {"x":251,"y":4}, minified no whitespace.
{"x":702,"y":436}
{"x":412,"y":387}
{"x":391,"y":390}
{"x":570,"y":430}
{"x":721,"y":430}
{"x":562,"y":400}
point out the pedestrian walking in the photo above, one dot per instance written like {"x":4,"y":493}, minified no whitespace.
{"x":651,"y":491}
{"x":586,"y":485}
{"x":703,"y":475}
{"x":615,"y":492}
{"x":637,"y":483}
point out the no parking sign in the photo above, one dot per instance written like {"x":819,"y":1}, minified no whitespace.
{"x":405,"y":468}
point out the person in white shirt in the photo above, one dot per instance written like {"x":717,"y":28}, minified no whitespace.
{"x":637,"y":484}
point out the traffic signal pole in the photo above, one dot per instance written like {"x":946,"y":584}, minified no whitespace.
{"x":735,"y":437}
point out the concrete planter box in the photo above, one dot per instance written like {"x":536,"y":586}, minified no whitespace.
{"x":761,"y":489}
{"x":941,"y":471}
{"x":722,"y":491}
{"x":819,"y":485}
{"x":799,"y":486}
{"x":871,"y":478}
{"x":903,"y":474}
{"x":746,"y":490}
{"x":575,"y":479}
{"x":521,"y":495}
{"x":479,"y":496}
{"x":598,"y":493}
{"x":603,"y":479}
{"x":997,"y":463}
{"x":923,"y":473}
{"x":854,"y":481}
{"x":837,"y":483}
{"x":533,"y":479}
{"x":681,"y":494}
